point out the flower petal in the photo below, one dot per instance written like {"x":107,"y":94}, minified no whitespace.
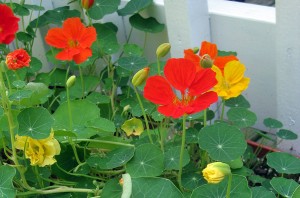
{"x":172,"y":110}
{"x":210,"y":49}
{"x":204,"y":81}
{"x":56,"y":38}
{"x":189,"y":54}
{"x":234,"y":72}
{"x":204,"y":101}
{"x":221,"y":61}
{"x":180,"y":73}
{"x":67,"y":54}
{"x":82,"y":56}
{"x":158,"y":90}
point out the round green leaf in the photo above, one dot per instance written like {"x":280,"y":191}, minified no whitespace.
{"x":146,"y":24}
{"x":148,"y":161}
{"x":262,"y":192}
{"x":239,"y":101}
{"x":148,"y":187}
{"x":241,"y":117}
{"x":19,"y":84}
{"x":98,"y":98}
{"x":20,"y":94}
{"x":19,"y":9}
{"x":82,"y":111}
{"x":107,"y":36}
{"x":239,"y":189}
{"x":272,"y":123}
{"x":287,"y":134}
{"x":296,"y":194}
{"x":101,"y":8}
{"x":132,"y":63}
{"x":102,"y":125}
{"x":284,"y":163}
{"x":35,"y":122}
{"x":134,"y":6}
{"x":133,"y":50}
{"x":285,"y":187}
{"x":222,"y":141}
{"x":192,"y":135}
{"x":7,"y":174}
{"x":172,"y":156}
{"x":35,"y":65}
{"x":191,"y":181}
{"x":24,"y":37}
{"x":112,"y":189}
{"x":113,"y":159}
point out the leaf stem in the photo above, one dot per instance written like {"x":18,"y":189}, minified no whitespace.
{"x":182,"y":151}
{"x":144,"y":114}
{"x":229,"y":186}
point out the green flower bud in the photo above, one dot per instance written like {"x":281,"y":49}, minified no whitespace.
{"x":215,"y":172}
{"x":140,"y":77}
{"x":163,"y":50}
{"x":206,"y":61}
{"x":71,"y":81}
{"x":196,"y":50}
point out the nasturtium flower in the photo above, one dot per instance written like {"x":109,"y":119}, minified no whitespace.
{"x":74,"y":39}
{"x":8,"y":24}
{"x":17,"y":59}
{"x":232,"y":82}
{"x":193,"y":86}
{"x":133,"y":126}
{"x":208,"y":53}
{"x":40,"y":152}
{"x":215,"y":172}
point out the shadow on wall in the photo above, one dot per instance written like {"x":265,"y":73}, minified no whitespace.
{"x":259,"y":2}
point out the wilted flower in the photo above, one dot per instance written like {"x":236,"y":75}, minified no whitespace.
{"x":74,"y":39}
{"x":215,"y":172}
{"x":17,"y":59}
{"x":40,"y":152}
{"x":133,"y":126}
{"x":8,"y":24}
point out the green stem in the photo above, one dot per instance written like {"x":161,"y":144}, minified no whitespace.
{"x":158,"y":66}
{"x":205,"y":118}
{"x":144,"y":114}
{"x":69,"y":110}
{"x":162,"y":137}
{"x":223,"y":109}
{"x":182,"y":151}
{"x":62,"y":189}
{"x":99,"y":141}
{"x":82,"y":81}
{"x":6,"y":105}
{"x":229,"y":186}
{"x":37,"y":175}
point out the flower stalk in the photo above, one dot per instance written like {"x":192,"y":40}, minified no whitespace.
{"x":182,"y":151}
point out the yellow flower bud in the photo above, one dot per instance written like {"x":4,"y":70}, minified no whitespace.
{"x":215,"y":172}
{"x":163,"y":50}
{"x":71,"y":81}
{"x":140,"y":77}
{"x":206,"y":61}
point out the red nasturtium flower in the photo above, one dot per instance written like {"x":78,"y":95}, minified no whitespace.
{"x":74,"y":39}
{"x":194,"y":87}
{"x":17,"y":59}
{"x":8,"y":24}
{"x":211,"y":50}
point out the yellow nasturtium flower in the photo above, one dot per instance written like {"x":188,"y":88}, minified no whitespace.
{"x":40,"y":152}
{"x":215,"y":172}
{"x":232,"y":82}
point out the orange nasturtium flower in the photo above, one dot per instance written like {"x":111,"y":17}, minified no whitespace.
{"x":40,"y":152}
{"x":208,"y":51}
{"x":8,"y":24}
{"x":232,"y":82}
{"x":193,"y":86}
{"x":17,"y":59}
{"x":74,"y":39}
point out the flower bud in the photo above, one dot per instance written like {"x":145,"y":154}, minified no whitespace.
{"x":163,"y":50}
{"x":196,"y":50}
{"x":71,"y":81}
{"x":215,"y":172}
{"x":206,"y":61}
{"x":140,"y":77}
{"x":86,"y":4}
{"x":121,"y":182}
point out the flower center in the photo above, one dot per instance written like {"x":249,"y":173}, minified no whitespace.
{"x":185,"y":100}
{"x":73,"y":43}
